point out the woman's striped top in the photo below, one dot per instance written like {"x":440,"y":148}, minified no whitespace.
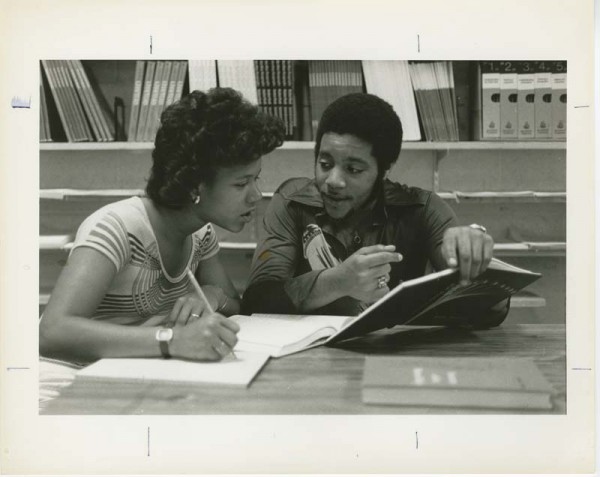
{"x":142,"y":288}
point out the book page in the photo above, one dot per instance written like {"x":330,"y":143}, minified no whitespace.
{"x":278,"y":331}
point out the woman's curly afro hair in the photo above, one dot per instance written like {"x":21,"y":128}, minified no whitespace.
{"x":202,"y":133}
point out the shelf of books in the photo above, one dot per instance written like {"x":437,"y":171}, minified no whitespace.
{"x":438,"y":101}
{"x":309,"y":145}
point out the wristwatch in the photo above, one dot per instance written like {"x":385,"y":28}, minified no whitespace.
{"x":478,"y":227}
{"x":164,"y":337}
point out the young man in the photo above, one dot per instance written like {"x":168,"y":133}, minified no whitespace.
{"x":338,"y":242}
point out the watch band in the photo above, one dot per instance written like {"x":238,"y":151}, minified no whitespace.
{"x":164,"y":336}
{"x":164,"y":349}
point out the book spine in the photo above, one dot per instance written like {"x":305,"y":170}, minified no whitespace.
{"x":162,"y":96}
{"x":58,"y":99}
{"x":95,"y":110}
{"x":145,"y":104}
{"x":170,"y":99}
{"x":490,"y":100}
{"x":45,"y":135}
{"x":136,"y":99}
{"x":156,"y":84}
{"x":106,"y":130}
{"x":463,"y":98}
{"x":476,"y":116}
{"x":183,"y":69}
{"x":78,"y":114}
{"x":525,"y":101}
{"x":79,"y":87}
{"x":508,"y":101}
{"x":72,"y":123}
{"x":559,"y":101}
{"x":543,"y":100}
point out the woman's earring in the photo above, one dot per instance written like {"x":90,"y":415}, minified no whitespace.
{"x":197,"y":199}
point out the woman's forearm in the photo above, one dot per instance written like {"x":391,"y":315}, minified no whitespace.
{"x":81,"y":339}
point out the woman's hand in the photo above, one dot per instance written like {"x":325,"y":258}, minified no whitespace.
{"x":189,"y":308}
{"x":209,"y":338}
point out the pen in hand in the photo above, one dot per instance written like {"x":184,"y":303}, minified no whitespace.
{"x":202,"y":296}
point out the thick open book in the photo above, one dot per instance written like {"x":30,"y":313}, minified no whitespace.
{"x":437,"y":299}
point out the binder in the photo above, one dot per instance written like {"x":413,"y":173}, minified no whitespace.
{"x":543,"y":100}
{"x":525,"y":101}
{"x":559,"y":101}
{"x":490,"y":100}
{"x":508,"y":100}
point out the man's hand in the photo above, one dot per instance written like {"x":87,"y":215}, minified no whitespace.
{"x":469,"y":249}
{"x":359,"y":275}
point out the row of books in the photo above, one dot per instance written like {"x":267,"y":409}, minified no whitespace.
{"x":157,"y":84}
{"x":275,"y":81}
{"x":327,"y":81}
{"x":523,"y":100}
{"x":436,"y":100}
{"x":75,"y":102}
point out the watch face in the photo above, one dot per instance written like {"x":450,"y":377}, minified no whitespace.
{"x":164,"y":334}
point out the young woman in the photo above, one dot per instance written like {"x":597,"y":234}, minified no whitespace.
{"x":125,"y":291}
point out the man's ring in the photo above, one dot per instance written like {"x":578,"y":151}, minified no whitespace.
{"x":195,"y":315}
{"x":381,"y":282}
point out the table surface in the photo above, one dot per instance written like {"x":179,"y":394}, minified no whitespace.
{"x":325,"y":380}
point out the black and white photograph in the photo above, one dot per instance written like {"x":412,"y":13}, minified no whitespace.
{"x":399,"y":228}
{"x":261,"y":244}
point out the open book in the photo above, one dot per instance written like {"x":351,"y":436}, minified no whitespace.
{"x":437,"y":299}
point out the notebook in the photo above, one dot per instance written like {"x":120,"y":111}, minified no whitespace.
{"x":235,"y":371}
{"x":477,"y":382}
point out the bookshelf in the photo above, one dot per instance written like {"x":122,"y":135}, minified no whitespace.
{"x":516,"y":188}
{"x":309,"y":145}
